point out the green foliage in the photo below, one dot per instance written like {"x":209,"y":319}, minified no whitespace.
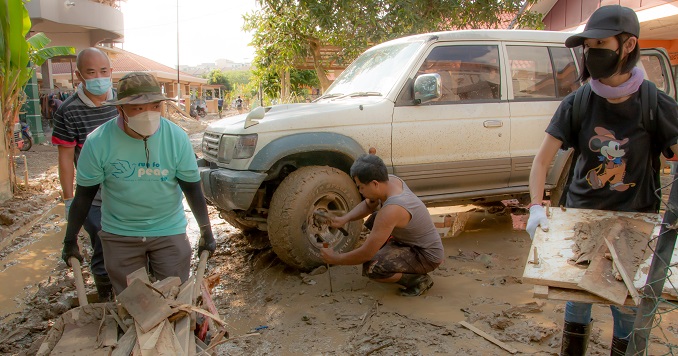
{"x":238,"y":76}
{"x":286,"y":32}
{"x":18,"y":56}
{"x":216,"y":76}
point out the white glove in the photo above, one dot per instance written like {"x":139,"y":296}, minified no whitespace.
{"x":67,"y":204}
{"x":537,"y":218}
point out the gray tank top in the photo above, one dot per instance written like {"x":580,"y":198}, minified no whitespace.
{"x":420,"y":231}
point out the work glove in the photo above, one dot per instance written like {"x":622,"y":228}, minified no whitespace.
{"x":67,"y":204}
{"x":206,"y":242}
{"x":537,"y":218}
{"x":71,"y":249}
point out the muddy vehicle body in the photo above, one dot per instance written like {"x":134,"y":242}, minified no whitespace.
{"x":458,"y":115}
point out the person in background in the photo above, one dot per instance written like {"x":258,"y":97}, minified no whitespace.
{"x":220,"y":105}
{"x":403,"y":245}
{"x":143,"y":163}
{"x":614,"y":170}
{"x":238,"y":104}
{"x":74,"y":119}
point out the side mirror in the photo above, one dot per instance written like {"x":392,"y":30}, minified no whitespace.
{"x":427,"y":87}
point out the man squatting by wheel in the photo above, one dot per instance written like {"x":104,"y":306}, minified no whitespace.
{"x":403,"y":245}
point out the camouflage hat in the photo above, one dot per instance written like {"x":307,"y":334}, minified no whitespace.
{"x":138,"y":88}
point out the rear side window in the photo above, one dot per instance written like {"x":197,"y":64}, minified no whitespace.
{"x":467,"y":73}
{"x":539,"y":72}
{"x":655,"y":71}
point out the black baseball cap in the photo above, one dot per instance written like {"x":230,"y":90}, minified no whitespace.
{"x":607,"y":21}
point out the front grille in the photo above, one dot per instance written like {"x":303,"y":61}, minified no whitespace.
{"x":210,"y":146}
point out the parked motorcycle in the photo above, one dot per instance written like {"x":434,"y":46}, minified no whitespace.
{"x":201,"y":111}
{"x":27,"y":136}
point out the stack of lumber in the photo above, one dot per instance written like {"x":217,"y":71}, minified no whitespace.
{"x":149,"y":319}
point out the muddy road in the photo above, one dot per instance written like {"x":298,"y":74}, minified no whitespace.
{"x":275,"y":310}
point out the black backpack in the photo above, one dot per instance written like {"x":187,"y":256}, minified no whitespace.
{"x":648,"y":103}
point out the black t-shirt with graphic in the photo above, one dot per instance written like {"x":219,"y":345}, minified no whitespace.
{"x":614,"y":167}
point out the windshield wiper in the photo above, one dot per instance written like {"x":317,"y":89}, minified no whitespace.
{"x":361,"y":93}
{"x":327,"y":96}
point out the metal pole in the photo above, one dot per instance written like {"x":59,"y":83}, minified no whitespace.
{"x":661,"y":260}
{"x":178,"y":78}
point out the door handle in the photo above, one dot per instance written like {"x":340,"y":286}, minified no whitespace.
{"x":493,"y":123}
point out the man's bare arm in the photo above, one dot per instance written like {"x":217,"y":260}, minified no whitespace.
{"x":66,"y":170}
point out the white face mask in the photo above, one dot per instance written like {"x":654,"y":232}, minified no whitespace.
{"x":145,"y":124}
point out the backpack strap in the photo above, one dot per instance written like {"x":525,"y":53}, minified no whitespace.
{"x":581,"y":101}
{"x":648,"y":104}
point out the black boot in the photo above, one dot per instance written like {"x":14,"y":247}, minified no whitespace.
{"x":104,"y":288}
{"x":415,"y":284}
{"x":618,"y":346}
{"x":575,"y":339}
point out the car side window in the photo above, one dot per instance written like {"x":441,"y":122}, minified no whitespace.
{"x":531,"y":72}
{"x":567,"y":75}
{"x":467,"y":73}
{"x":654,"y":70}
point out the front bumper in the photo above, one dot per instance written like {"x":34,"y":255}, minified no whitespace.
{"x":229,"y":189}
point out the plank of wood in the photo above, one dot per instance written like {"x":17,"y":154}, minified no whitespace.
{"x":599,"y":279}
{"x":628,"y":280}
{"x":182,"y":327}
{"x":109,"y":333}
{"x":126,"y":343}
{"x":540,"y":291}
{"x":166,"y":284}
{"x":575,"y":295}
{"x":140,"y":274}
{"x":144,"y":305}
{"x":489,"y":337}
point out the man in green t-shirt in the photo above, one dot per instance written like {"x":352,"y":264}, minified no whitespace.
{"x":143,"y":163}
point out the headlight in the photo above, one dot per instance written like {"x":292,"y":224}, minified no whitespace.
{"x":244,"y":147}
{"x":236,"y":147}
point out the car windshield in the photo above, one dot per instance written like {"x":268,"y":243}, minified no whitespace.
{"x":374,"y":72}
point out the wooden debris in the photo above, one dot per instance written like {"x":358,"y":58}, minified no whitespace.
{"x":140,"y":274}
{"x":599,"y":278}
{"x":146,"y":307}
{"x":489,"y":337}
{"x":126,"y":342}
{"x":165,"y":286}
{"x":628,"y":280}
{"x":182,"y":327}
{"x":109,"y":333}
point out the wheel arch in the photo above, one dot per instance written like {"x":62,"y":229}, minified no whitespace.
{"x":306,"y":149}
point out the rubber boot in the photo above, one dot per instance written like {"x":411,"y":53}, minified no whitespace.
{"x":575,"y":339}
{"x":104,"y":288}
{"x":415,"y":284}
{"x":619,"y":346}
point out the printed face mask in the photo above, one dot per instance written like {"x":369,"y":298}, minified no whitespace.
{"x":98,"y":86}
{"x":145,"y":124}
{"x":601,"y":62}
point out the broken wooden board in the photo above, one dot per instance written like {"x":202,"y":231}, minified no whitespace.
{"x":621,"y":267}
{"x":126,"y":342}
{"x":161,"y":340}
{"x":108,"y":335}
{"x":140,"y":274}
{"x":489,"y":337}
{"x":573,"y":295}
{"x":599,"y":278}
{"x":144,"y":305}
{"x":555,"y":248}
{"x":182,"y":327}
{"x":166,"y":285}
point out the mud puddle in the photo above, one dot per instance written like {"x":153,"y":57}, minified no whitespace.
{"x":31,"y":262}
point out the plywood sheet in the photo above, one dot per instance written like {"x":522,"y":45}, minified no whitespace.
{"x":555,"y":249}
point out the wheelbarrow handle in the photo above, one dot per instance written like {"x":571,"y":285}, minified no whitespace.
{"x":79,"y":282}
{"x":200,"y":273}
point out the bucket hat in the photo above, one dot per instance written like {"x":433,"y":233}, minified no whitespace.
{"x":138,"y":88}
{"x":607,"y":21}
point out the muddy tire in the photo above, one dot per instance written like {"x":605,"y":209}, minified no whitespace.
{"x":296,"y":235}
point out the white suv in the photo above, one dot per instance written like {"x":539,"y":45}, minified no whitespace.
{"x":458,"y":115}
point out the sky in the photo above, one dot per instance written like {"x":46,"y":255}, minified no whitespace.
{"x":208,"y":30}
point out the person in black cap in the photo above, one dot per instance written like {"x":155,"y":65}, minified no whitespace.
{"x":616,"y":151}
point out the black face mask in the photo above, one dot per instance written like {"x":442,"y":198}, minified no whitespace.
{"x":601,"y":62}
